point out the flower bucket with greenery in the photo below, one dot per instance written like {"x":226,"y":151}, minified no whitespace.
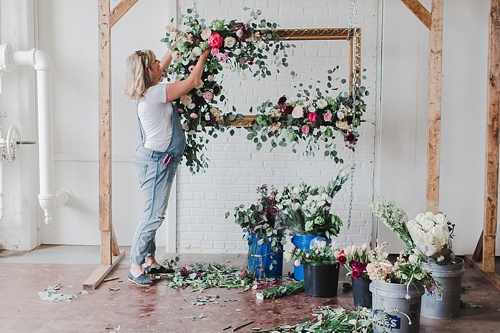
{"x":355,"y":259}
{"x":263,"y":230}
{"x":321,"y":267}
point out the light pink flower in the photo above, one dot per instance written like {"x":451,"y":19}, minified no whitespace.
{"x":305,"y":129}
{"x":297,"y":263}
{"x":208,"y":95}
{"x":190,"y":68}
{"x":222,"y":57}
{"x":193,"y":115}
{"x":327,"y":116}
{"x":215,"y":51}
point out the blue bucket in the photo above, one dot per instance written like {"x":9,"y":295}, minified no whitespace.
{"x":260,"y":258}
{"x":301,"y":242}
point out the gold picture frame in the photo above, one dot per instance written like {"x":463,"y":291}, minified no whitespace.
{"x":351,"y":35}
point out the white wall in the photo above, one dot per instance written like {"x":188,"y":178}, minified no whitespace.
{"x":397,"y":80}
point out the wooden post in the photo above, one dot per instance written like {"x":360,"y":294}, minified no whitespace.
{"x":434,"y":107}
{"x":492,"y":141}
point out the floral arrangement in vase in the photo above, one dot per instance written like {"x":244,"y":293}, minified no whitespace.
{"x":405,"y":270}
{"x":313,"y":116}
{"x":262,"y":220}
{"x":355,"y":258}
{"x":432,"y":234}
{"x":244,"y":46}
{"x":321,"y":252}
{"x":306,"y":209}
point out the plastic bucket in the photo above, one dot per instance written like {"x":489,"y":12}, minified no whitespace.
{"x":390,"y":298}
{"x":321,"y":280}
{"x":361,"y":293}
{"x":301,"y":242}
{"x":444,"y":301}
{"x":260,"y":258}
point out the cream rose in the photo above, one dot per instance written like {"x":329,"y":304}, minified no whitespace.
{"x":322,"y":104}
{"x":206,"y":33}
{"x":298,"y":112}
{"x":229,"y":41}
{"x":196,"y":52}
{"x":186,"y":99}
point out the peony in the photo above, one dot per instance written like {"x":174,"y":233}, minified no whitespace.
{"x":298,"y":112}
{"x":311,"y":116}
{"x":215,"y":40}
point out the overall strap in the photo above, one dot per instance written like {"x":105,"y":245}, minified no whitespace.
{"x":141,"y":130}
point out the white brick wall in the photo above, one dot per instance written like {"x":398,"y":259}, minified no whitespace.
{"x":237,"y":169}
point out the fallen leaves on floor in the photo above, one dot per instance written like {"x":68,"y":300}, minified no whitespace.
{"x":51,"y":294}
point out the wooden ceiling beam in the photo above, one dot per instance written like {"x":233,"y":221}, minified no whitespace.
{"x":420,"y":12}
{"x":120,"y":10}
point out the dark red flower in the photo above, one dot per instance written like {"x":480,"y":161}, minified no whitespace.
{"x":289,"y":109}
{"x":356,"y":274}
{"x":341,"y":259}
{"x":282,"y":100}
{"x":354,"y":264}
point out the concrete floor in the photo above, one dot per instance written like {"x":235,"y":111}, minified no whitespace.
{"x":162,"y":309}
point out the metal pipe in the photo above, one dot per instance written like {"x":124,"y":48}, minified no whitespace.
{"x":42,"y":63}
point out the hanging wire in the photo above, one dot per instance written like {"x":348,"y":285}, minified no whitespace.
{"x":194,"y":6}
{"x":351,"y":195}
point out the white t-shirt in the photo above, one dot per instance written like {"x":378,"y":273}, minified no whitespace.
{"x":155,"y":114}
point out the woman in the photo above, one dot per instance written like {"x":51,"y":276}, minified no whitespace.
{"x":162,"y":146}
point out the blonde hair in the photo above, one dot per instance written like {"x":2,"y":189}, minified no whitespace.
{"x":138,"y":76}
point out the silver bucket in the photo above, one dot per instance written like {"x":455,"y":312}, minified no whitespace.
{"x":444,"y":302}
{"x":395,"y":311}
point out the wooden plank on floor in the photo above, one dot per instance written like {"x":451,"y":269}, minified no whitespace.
{"x":492,"y":277}
{"x":101,"y":272}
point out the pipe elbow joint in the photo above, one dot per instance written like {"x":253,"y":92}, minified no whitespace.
{"x":48,"y":202}
{"x":41,"y":61}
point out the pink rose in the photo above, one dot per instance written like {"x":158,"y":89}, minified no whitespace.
{"x":214,"y":51}
{"x":222,"y":57}
{"x":305,"y":129}
{"x":215,"y":40}
{"x":190,"y":68}
{"x":208,"y":95}
{"x":193,"y":115}
{"x":327,"y":117}
{"x":311,"y":116}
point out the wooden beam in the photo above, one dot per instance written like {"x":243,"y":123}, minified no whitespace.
{"x":492,"y":140}
{"x":478,"y":252}
{"x":101,"y":272}
{"x":420,"y":12}
{"x":120,"y":10}
{"x":104,"y":56}
{"x":434,"y":107}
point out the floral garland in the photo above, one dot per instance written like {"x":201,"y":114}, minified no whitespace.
{"x":233,"y":44}
{"x":312,"y":116}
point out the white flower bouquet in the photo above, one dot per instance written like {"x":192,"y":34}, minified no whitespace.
{"x":432,"y":234}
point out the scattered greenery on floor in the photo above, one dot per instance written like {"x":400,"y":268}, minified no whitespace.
{"x":328,"y":319}
{"x":284,"y":290}
{"x":51,"y":294}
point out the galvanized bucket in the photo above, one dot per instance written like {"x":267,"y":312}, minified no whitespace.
{"x":444,"y":301}
{"x":396,"y":313}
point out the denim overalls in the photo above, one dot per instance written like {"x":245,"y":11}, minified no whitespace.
{"x":155,"y":173}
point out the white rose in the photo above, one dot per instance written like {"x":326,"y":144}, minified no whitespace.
{"x":229,"y":41}
{"x":437,"y":232}
{"x":427,"y":225}
{"x":340,"y":115}
{"x":298,"y":112}
{"x":428,"y":238}
{"x":420,"y":217}
{"x":412,"y":258}
{"x":322,"y":103}
{"x":210,"y":78}
{"x":206,"y":33}
{"x":191,"y":106}
{"x":196,"y":52}
{"x":440,"y":219}
{"x":429,"y":215}
{"x":237,"y":52}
